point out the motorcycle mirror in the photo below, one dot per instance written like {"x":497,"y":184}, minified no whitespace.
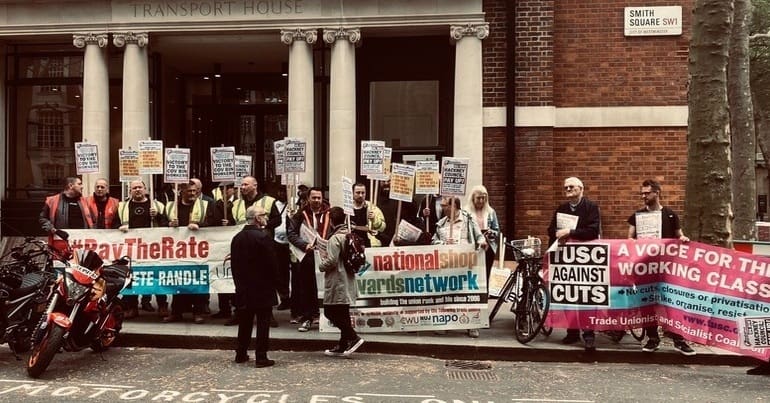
{"x":62,"y":234}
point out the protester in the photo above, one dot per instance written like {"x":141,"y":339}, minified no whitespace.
{"x":67,"y":209}
{"x":367,"y":219}
{"x":457,"y":227}
{"x":141,"y":212}
{"x":486,"y":218}
{"x":587,"y":228}
{"x":304,"y":228}
{"x":339,"y":288}
{"x":102,"y":207}
{"x":669,"y":229}
{"x":189,"y":211}
{"x":216,"y":218}
{"x":255,"y":274}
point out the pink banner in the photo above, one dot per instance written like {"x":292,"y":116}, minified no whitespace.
{"x":699,"y":291}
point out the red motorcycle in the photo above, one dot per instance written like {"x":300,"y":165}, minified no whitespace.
{"x":83,"y":309}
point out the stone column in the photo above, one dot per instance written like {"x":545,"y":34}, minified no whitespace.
{"x":468,"y":135}
{"x":342,"y":109}
{"x":136,"y":87}
{"x":136,"y":90}
{"x":96,"y":101}
{"x":301,"y":121}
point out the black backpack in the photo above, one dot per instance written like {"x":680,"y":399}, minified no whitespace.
{"x":353,"y":256}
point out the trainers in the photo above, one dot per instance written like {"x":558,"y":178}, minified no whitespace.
{"x":335,"y":352}
{"x":294,"y":320}
{"x":761,"y":369}
{"x":353,"y":345}
{"x":241,"y":357}
{"x":590,"y":345}
{"x":473,"y":333}
{"x":651,"y":346}
{"x":305,"y":326}
{"x":683,"y":348}
{"x":147,"y":306}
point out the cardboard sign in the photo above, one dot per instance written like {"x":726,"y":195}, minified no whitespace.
{"x":150,"y":157}
{"x":347,"y":195}
{"x":294,"y":156}
{"x":128,"y":165}
{"x":387,"y":157}
{"x":222,"y":164}
{"x":86,"y":158}
{"x":372,"y":154}
{"x":402,"y":182}
{"x":177,"y":167}
{"x":279,"y":149}
{"x":243,"y":164}
{"x":454,"y":176}
{"x":426,"y":178}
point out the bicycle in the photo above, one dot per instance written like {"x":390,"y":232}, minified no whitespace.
{"x":526,"y":292}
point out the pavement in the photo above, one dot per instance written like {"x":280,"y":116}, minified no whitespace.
{"x":496,"y":343}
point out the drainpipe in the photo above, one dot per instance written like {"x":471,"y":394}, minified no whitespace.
{"x":510,"y":125}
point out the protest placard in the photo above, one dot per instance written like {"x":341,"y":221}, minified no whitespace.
{"x":222,"y":164}
{"x":177,"y":168}
{"x":426,"y":177}
{"x":150,"y":157}
{"x":387,"y":157}
{"x":649,"y":224}
{"x":243,"y":166}
{"x":128,"y":165}
{"x":402,"y":182}
{"x":372,"y":154}
{"x":347,"y":195}
{"x":86,"y":158}
{"x":279,"y":150}
{"x":294,"y":155}
{"x":454,"y":175}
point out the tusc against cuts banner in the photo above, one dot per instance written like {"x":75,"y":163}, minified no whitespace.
{"x":709,"y":295}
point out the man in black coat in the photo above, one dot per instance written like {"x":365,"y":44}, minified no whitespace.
{"x":255,"y":274}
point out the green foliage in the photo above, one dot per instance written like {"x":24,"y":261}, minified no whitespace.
{"x":759,"y":49}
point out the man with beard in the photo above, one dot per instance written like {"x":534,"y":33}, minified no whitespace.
{"x":140,"y":212}
{"x":669,"y":228}
{"x":67,"y":209}
{"x":190,"y":212}
{"x":304,"y":228}
{"x":103,"y":208}
{"x":367,"y":219}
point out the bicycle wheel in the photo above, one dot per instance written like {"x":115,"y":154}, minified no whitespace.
{"x":504,"y":296}
{"x":531,"y":316}
{"x":638,"y":333}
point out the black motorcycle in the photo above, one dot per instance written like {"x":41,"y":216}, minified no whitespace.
{"x":26,"y":278}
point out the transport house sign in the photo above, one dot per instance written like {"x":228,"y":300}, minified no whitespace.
{"x":653,"y":21}
{"x":186,"y":9}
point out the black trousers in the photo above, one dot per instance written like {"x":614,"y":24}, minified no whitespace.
{"x":182,"y":303}
{"x":282,"y":257}
{"x":339,"y":316}
{"x":588,"y":334}
{"x":246,"y":325}
{"x":307,"y":291}
{"x":652,"y":333}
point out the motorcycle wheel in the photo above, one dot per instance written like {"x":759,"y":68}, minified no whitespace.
{"x":43,"y":352}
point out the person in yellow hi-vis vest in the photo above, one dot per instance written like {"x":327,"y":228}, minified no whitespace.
{"x":190,"y":211}
{"x":141,"y":212}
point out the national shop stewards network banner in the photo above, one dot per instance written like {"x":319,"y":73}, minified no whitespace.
{"x":167,"y":260}
{"x":709,"y":295}
{"x":434,"y":287}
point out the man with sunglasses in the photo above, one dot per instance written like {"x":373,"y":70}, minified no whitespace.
{"x":669,"y":229}
{"x":587,"y":228}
